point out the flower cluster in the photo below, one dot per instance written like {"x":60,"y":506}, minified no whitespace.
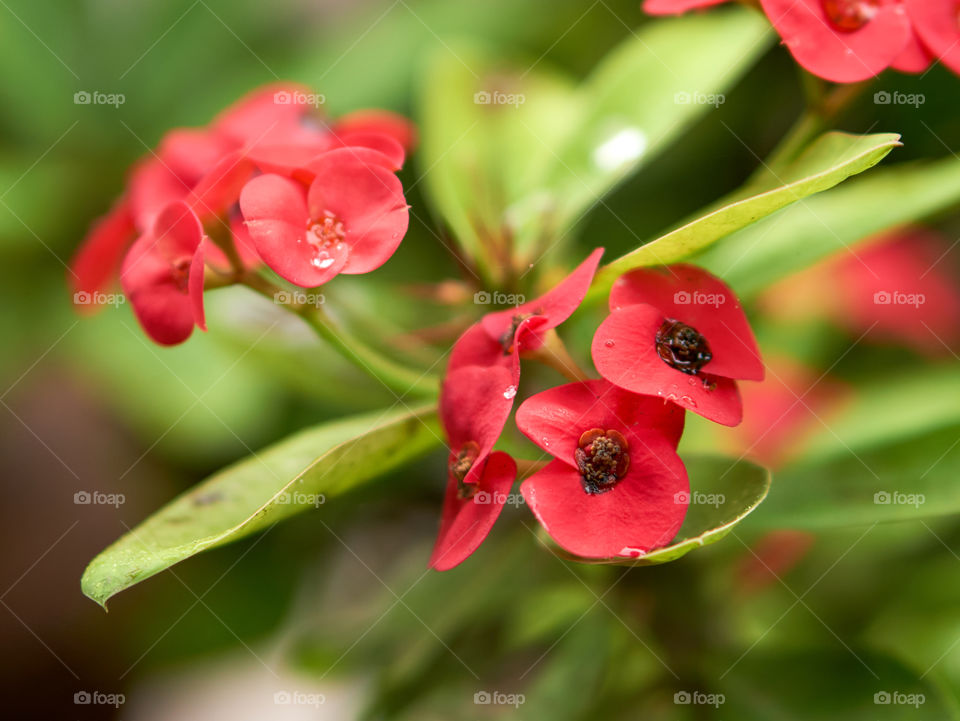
{"x":846,"y":41}
{"x":270,"y":181}
{"x":676,"y":339}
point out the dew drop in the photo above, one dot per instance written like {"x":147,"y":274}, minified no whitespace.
{"x":510,"y":392}
{"x":609,"y":343}
{"x":689,"y":401}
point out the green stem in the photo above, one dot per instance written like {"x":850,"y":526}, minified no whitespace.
{"x":394,"y":376}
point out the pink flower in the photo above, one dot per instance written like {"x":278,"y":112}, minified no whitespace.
{"x":350,"y":219}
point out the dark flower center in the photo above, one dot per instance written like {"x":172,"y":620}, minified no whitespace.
{"x":325,"y":234}
{"x":460,"y":464}
{"x":850,"y":15}
{"x":509,"y":336}
{"x":180,"y":269}
{"x":682,"y":347}
{"x":602,"y":459}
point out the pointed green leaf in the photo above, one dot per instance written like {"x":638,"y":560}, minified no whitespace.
{"x":830,"y":160}
{"x":297,"y":474}
{"x":834,"y":221}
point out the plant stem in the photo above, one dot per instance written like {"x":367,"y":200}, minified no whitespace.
{"x":553,"y":353}
{"x":527,"y":467}
{"x":398,"y":378}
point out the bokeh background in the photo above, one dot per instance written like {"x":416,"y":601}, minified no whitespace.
{"x":324,"y":607}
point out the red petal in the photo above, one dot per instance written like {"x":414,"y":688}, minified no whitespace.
{"x":178,"y":231}
{"x":368,"y":199}
{"x":190,"y":153}
{"x":272,"y":111}
{"x":558,"y":304}
{"x":97,"y":262}
{"x":676,"y":7}
{"x":163,"y":310}
{"x":153,"y":186}
{"x":195,"y":285}
{"x":695,"y":297}
{"x":476,"y":348}
{"x":466,"y":522}
{"x":915,"y":58}
{"x":640,"y":513}
{"x":387,"y":151}
{"x":219,"y":188}
{"x":556,"y":418}
{"x":475,"y":403}
{"x":937,"y":25}
{"x":624,"y":352}
{"x":842,"y":57}
{"x":379,"y":122}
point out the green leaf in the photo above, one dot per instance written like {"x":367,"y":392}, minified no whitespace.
{"x":644,"y":95}
{"x":908,"y":480}
{"x":799,"y":236}
{"x":836,"y":683}
{"x":297,"y":474}
{"x":515,"y":176}
{"x":723,"y":492}
{"x":830,"y":160}
{"x":889,"y":410}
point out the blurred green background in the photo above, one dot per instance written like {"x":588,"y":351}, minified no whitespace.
{"x":90,"y":405}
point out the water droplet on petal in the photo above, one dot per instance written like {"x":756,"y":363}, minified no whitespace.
{"x":510,"y":392}
{"x":689,"y":401}
{"x":609,"y":343}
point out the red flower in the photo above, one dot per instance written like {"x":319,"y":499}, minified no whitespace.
{"x":273,"y":113}
{"x":676,"y":7}
{"x":163,"y":276}
{"x":843,"y":41}
{"x":937,"y":22}
{"x":474,"y":405}
{"x":678,"y":333}
{"x":499,"y":338}
{"x":616,"y":486}
{"x":350,"y":219}
{"x":377,"y":122}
